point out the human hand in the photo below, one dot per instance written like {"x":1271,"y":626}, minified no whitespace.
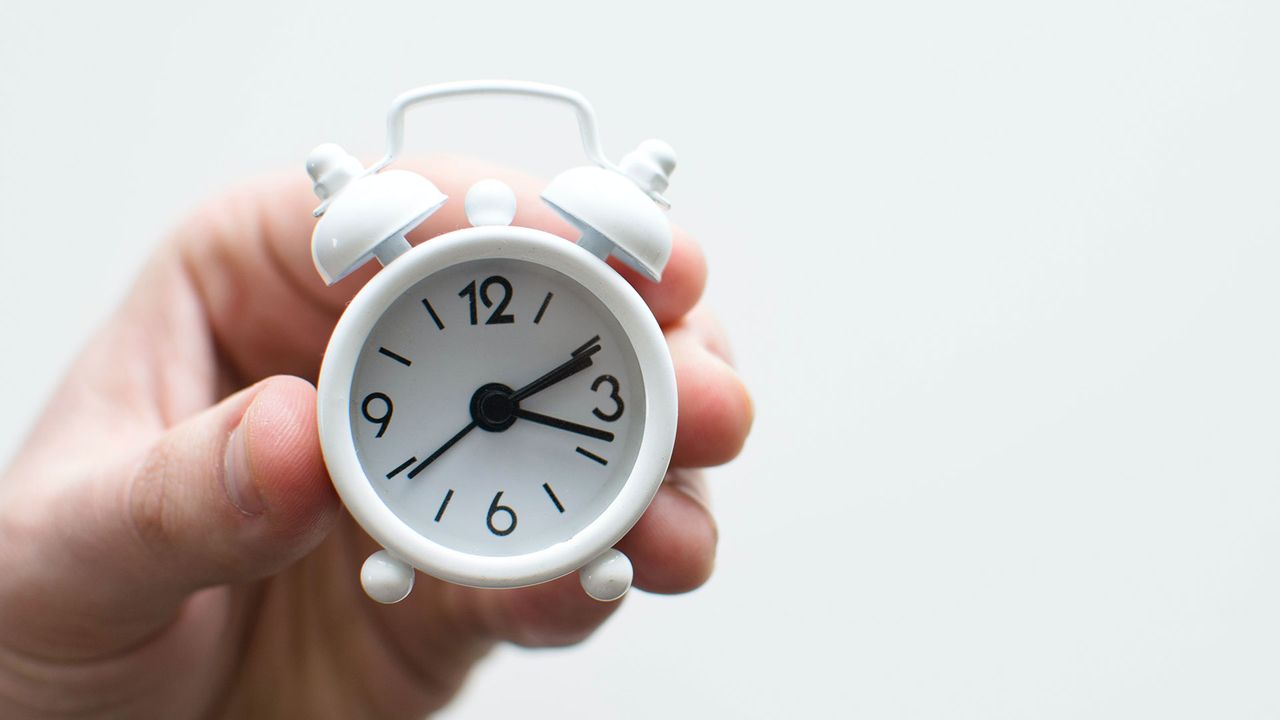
{"x":170,"y":543}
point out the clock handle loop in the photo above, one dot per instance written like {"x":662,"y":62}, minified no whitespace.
{"x":586,"y":115}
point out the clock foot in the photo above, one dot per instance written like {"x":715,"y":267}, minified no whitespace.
{"x":385,"y":578}
{"x":608,"y":577}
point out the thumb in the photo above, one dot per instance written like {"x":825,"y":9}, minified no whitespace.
{"x":233,"y":494}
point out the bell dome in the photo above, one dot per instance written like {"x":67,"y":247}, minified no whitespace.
{"x":366,"y":216}
{"x":615,"y":216}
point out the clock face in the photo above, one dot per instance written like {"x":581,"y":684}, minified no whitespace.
{"x":497,"y":407}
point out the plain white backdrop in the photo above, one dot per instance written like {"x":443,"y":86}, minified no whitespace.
{"x":1002,"y":276}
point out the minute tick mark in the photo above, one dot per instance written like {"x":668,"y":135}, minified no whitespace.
{"x":593,"y":456}
{"x":546,"y":301}
{"x":447,"y":497}
{"x":555,"y":500}
{"x":427,"y":304}
{"x":401,"y":466}
{"x":398,"y":358}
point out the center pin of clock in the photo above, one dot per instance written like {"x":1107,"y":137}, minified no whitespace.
{"x":492,"y":407}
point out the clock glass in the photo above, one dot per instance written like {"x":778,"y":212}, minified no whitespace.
{"x":497,"y":407}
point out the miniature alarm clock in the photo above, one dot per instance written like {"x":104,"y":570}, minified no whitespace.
{"x":497,"y":406}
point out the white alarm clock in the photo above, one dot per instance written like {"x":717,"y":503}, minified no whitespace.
{"x":497,"y":406}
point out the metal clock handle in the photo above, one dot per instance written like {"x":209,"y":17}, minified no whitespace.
{"x":586,"y":115}
{"x":602,"y":202}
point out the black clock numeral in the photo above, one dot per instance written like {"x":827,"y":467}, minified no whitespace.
{"x":614,"y":387}
{"x":494,"y":509}
{"x":499,"y":316}
{"x":382,"y":420}
{"x":469,"y":292}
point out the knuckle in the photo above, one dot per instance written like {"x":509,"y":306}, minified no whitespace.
{"x":553,"y":632}
{"x":556,"y":615}
{"x":150,"y":500}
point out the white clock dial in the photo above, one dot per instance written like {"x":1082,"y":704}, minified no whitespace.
{"x":455,"y":433}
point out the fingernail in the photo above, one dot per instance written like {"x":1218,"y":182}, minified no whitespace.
{"x":241,"y":489}
{"x":692,"y":484}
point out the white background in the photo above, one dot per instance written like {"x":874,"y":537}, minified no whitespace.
{"x":1001,"y":275}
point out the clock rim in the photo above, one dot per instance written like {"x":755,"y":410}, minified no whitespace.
{"x":334,"y":417}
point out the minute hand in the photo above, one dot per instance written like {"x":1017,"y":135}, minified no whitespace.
{"x":572,"y":366}
{"x":565,"y":425}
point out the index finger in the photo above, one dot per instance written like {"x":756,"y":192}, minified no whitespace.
{"x":248,"y":256}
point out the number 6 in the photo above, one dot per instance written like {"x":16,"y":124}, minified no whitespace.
{"x":495,"y":508}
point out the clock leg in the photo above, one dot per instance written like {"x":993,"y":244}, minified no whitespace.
{"x":385,"y":578}
{"x":608,"y":577}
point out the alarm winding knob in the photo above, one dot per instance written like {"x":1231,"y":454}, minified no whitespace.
{"x":650,"y":165}
{"x":331,"y":168}
{"x":490,"y":202}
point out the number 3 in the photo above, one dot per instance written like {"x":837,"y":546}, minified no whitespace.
{"x":613,"y":395}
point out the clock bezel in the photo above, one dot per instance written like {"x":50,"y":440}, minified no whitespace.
{"x":334,"y":415}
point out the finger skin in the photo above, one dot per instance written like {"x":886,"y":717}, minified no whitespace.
{"x":716,"y":411}
{"x":138,"y":561}
{"x":142,"y":536}
{"x":682,"y":283}
{"x":249,"y":257}
{"x":673,"y":546}
{"x":553,"y":614}
{"x":184,"y":514}
{"x":286,"y":465}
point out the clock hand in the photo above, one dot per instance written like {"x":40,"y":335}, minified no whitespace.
{"x":448,"y":444}
{"x":499,"y":418}
{"x":564,"y":425}
{"x":580,"y":361}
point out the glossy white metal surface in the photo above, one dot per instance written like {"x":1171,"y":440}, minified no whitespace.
{"x":335,"y":396}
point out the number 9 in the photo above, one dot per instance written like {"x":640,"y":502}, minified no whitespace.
{"x":385,"y":418}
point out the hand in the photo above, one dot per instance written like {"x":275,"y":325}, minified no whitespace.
{"x":171,"y":545}
{"x":441,"y":450}
{"x":578,"y":361}
{"x":572,"y":427}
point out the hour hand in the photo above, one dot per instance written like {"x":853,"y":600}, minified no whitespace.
{"x":564,"y":425}
{"x":578,"y":361}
